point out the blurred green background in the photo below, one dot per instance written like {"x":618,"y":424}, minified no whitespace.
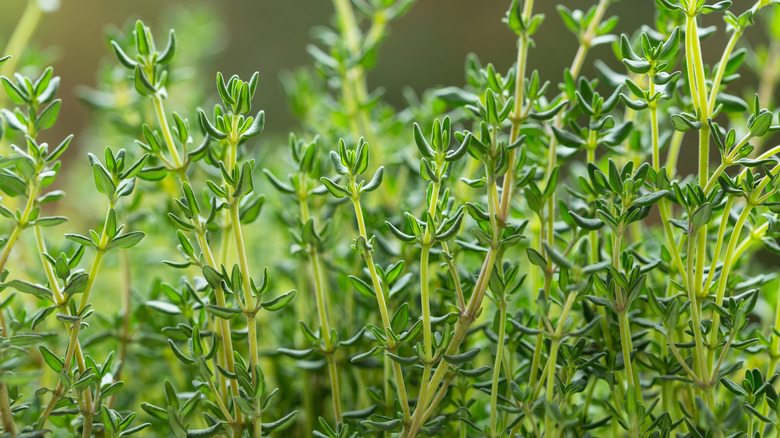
{"x":426,"y":48}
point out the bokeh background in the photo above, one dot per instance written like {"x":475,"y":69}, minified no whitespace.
{"x":426,"y":47}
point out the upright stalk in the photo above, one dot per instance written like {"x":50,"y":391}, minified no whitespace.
{"x":382,"y":304}
{"x":517,"y":114}
{"x":6,"y":416}
{"x":181,"y":172}
{"x":774,"y":349}
{"x":20,"y":38}
{"x":497,"y":368}
{"x":557,"y":337}
{"x":322,"y":313}
{"x":354,"y":87}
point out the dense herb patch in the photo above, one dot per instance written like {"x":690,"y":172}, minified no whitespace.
{"x":535,"y":265}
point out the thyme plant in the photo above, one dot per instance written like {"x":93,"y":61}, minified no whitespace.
{"x":519,"y":256}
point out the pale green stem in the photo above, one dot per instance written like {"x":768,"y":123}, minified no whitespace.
{"x":355,"y":77}
{"x":250,"y":310}
{"x":671,"y":244}
{"x":219,"y":293}
{"x":220,"y":402}
{"x":497,"y":369}
{"x":461,"y":327}
{"x":87,"y":427}
{"x":322,"y":313}
{"x":719,"y":243}
{"x":654,"y":128}
{"x":102,"y":246}
{"x":19,"y":40}
{"x":718,"y":78}
{"x":695,"y":281}
{"x":674,"y":153}
{"x":517,"y":119}
{"x":625,"y":334}
{"x":166,"y":131}
{"x":380,"y":297}
{"x":724,"y":276}
{"x":680,"y":360}
{"x":553,"y":358}
{"x":701,"y":369}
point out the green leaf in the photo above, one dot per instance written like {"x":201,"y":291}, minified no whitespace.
{"x":256,"y":128}
{"x":183,"y":358}
{"x":222,"y":312}
{"x":42,"y":315}
{"x":335,"y":189}
{"x":81,"y":240}
{"x":143,"y":85}
{"x":733,"y":387}
{"x":282,"y":187}
{"x":103,"y":181}
{"x":51,"y":359}
{"x":422,"y":144}
{"x":48,"y":116}
{"x":702,"y":215}
{"x":457,"y":359}
{"x":29,"y":288}
{"x":251,"y":210}
{"x":536,"y":258}
{"x":245,"y":183}
{"x":164,"y":307}
{"x":155,"y":411}
{"x":18,"y":96}
{"x":11,"y":184}
{"x":76,"y":285}
{"x":717,"y":7}
{"x":651,"y":198}
{"x":282,"y":423}
{"x":170,"y":49}
{"x":598,"y":301}
{"x":121,"y":56}
{"x":50,"y":221}
{"x":400,"y":318}
{"x":760,"y":125}
{"x":375,"y":182}
{"x":400,"y":235}
{"x":638,"y":67}
{"x":135,"y":429}
{"x":205,"y":433}
{"x":362,"y":286}
{"x":209,"y":128}
{"x":383,"y":424}
{"x":127,"y":240}
{"x":557,"y":257}
{"x":212,"y":276}
{"x":586,"y":223}
{"x":296,"y":354}
{"x":142,"y":43}
{"x":566,"y":138}
{"x":279,"y":302}
{"x":111,"y":389}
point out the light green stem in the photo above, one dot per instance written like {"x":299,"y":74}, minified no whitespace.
{"x":19,"y":40}
{"x":166,"y":131}
{"x":322,"y":313}
{"x":382,"y":304}
{"x":497,"y":369}
{"x":722,"y":283}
